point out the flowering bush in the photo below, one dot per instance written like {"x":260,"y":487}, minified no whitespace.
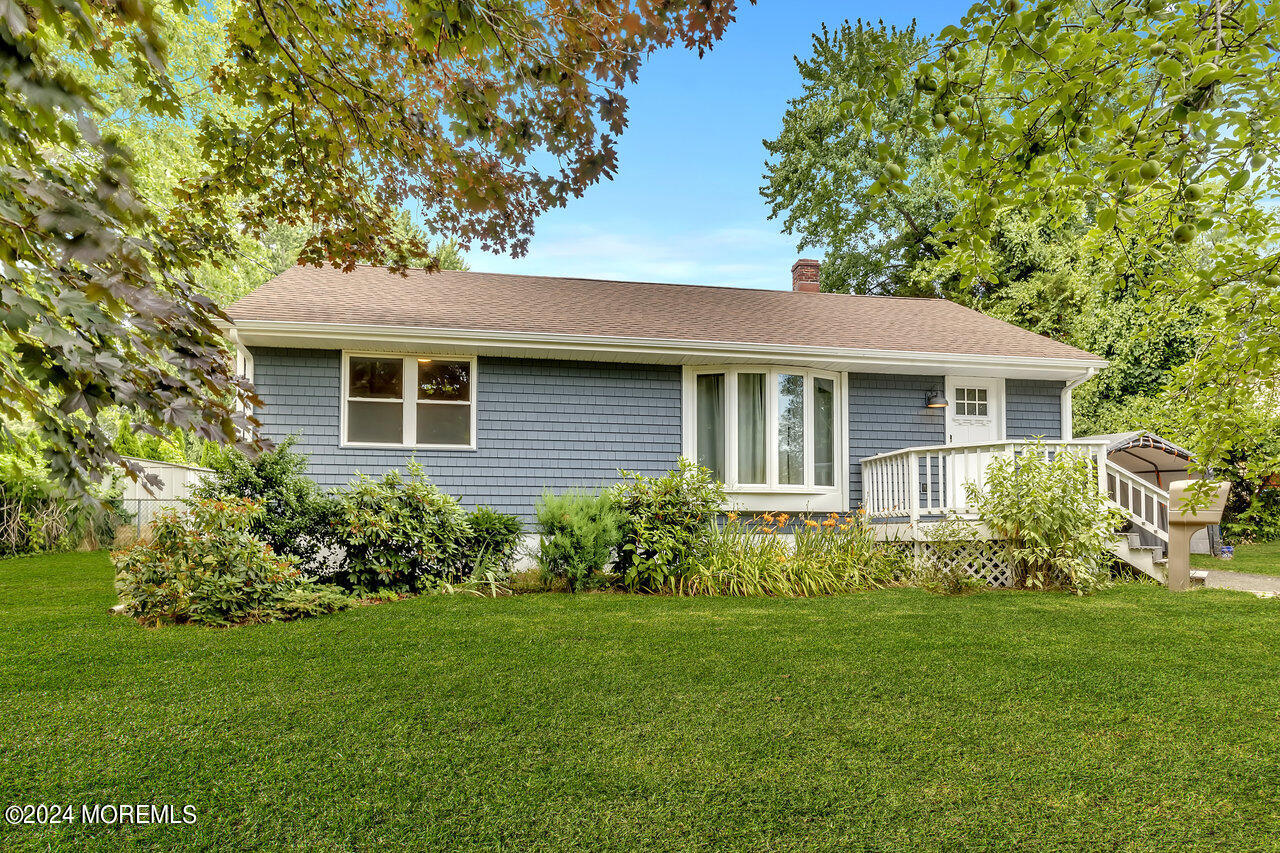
{"x":758,"y":557}
{"x":202,"y":565}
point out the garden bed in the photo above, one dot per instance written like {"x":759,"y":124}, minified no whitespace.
{"x":1132,"y":718}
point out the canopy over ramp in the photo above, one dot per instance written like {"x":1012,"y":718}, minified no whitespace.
{"x":1159,"y":462}
{"x":1154,"y":459}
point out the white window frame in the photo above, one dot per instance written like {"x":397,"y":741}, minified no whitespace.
{"x":409,"y":400}
{"x":773,"y":495}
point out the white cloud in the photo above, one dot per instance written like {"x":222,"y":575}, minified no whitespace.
{"x":738,"y":256}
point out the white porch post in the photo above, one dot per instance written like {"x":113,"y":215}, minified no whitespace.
{"x":913,"y":479}
{"x":1067,"y":430}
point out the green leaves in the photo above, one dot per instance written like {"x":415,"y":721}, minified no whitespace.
{"x":1153,"y":122}
{"x":399,"y":533}
{"x":203,"y":566}
{"x":665,"y":524}
{"x":1046,"y":505}
{"x":326,"y":119}
{"x":1169,"y":67}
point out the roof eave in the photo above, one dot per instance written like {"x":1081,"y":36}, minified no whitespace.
{"x":355,"y":335}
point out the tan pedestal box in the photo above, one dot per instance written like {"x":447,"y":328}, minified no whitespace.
{"x":1184,"y":523}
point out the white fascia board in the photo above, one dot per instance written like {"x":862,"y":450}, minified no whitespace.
{"x":596,"y":347}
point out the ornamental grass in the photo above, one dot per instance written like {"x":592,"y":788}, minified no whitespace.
{"x":778,"y":555}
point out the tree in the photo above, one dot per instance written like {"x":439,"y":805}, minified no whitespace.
{"x":1050,"y":278}
{"x":824,"y":166}
{"x":341,"y":114}
{"x":1159,"y":125}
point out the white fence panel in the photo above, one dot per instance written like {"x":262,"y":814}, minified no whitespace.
{"x":177,"y":483}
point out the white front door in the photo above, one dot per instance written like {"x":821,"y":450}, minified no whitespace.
{"x":975,"y":410}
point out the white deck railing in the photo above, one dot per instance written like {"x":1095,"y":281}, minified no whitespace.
{"x":929,"y":481}
{"x":1147,"y":505}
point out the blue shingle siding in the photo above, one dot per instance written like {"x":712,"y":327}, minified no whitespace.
{"x":563,"y":424}
{"x":888,"y":413}
{"x":1033,"y":408}
{"x":539,"y":424}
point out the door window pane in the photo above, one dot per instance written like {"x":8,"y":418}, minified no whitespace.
{"x":752,"y":428}
{"x":790,"y":429}
{"x":971,"y":402}
{"x":824,"y":432}
{"x":710,"y":423}
{"x":444,"y":380}
{"x":443,"y":424}
{"x":375,"y":422}
{"x":375,"y":378}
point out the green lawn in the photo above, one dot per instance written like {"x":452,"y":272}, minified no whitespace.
{"x":1135,"y":719}
{"x":1260,"y":559}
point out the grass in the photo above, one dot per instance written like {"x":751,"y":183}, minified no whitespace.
{"x":1261,"y":558}
{"x":895,"y":720}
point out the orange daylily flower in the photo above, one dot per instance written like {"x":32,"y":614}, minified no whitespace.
{"x":809,"y":522}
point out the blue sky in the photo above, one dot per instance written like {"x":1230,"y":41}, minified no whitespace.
{"x":685,"y":204}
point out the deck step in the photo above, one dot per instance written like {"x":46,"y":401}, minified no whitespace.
{"x":1140,"y":557}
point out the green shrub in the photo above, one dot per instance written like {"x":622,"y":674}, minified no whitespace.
{"x":1251,"y":466}
{"x":202,"y":565}
{"x":759,"y":557}
{"x":665,"y":524}
{"x":297,"y":520}
{"x":36,"y":514}
{"x":1055,"y":521}
{"x":579,"y":533}
{"x":400,"y":533}
{"x":491,"y":546}
{"x":1252,"y":515}
{"x":311,"y":599}
{"x":176,"y":446}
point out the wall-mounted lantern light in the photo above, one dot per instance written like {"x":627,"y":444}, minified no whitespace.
{"x":936,"y":400}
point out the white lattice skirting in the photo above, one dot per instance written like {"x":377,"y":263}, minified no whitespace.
{"x":984,"y":559}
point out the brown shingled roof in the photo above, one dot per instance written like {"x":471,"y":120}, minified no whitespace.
{"x":574,"y":306}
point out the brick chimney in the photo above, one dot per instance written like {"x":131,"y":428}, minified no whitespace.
{"x":804,"y":275}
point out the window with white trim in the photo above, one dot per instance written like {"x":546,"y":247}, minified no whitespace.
{"x":408,"y":400}
{"x":971,"y":401}
{"x":767,"y":428}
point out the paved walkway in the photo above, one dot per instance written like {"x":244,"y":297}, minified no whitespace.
{"x":1260,"y":584}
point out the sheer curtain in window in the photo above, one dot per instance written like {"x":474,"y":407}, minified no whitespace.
{"x":824,"y":432}
{"x":710,"y":423}
{"x":752,"y":426}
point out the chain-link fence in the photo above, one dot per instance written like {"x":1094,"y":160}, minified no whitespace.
{"x":177,"y":481}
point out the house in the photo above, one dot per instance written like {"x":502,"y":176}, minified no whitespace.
{"x":502,"y":386}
